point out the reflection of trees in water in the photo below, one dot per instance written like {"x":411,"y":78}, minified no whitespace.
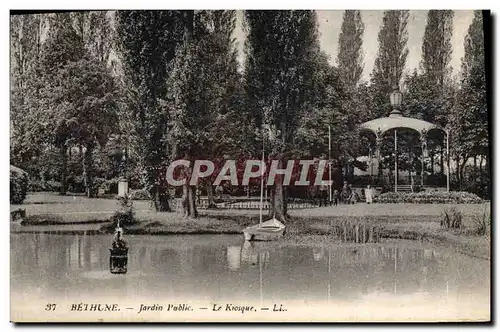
{"x":288,"y":272}
{"x":206,"y":259}
{"x":141,"y":257}
{"x":384,"y":269}
{"x":354,"y":270}
{"x":234,"y":257}
{"x":161,"y":257}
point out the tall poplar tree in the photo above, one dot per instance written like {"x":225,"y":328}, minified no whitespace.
{"x":26,"y":51}
{"x":391,"y":59}
{"x":281,"y":58}
{"x":469,"y":119}
{"x":350,"y":56}
{"x":203,"y":94}
{"x":147,"y":42}
{"x":436,"y":46}
{"x":436,"y":56}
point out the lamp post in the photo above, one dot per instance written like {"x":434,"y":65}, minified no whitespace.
{"x":330,"y":163}
{"x":447,"y":159}
{"x":123,"y":183}
{"x":423,"y":142}
{"x":371,"y":164}
{"x":396,"y":98}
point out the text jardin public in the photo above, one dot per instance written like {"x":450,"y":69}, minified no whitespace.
{"x":171,"y":307}
{"x":252,"y":169}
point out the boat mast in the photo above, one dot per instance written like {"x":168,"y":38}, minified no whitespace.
{"x":262,"y":181}
{"x":260,"y":278}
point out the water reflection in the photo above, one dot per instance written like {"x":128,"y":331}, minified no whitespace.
{"x":222,"y":267}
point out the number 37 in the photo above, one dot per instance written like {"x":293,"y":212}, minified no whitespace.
{"x":50,"y":307}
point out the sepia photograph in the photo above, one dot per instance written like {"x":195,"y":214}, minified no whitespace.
{"x":250,"y":166}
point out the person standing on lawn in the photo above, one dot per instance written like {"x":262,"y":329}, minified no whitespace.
{"x":323,"y":195}
{"x":336,"y":197}
{"x":353,"y":198}
{"x":368,"y":194}
{"x":346,"y":193}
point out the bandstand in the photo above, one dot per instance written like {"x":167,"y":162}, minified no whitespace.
{"x":395,"y":121}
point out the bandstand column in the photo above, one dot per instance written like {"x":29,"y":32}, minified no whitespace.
{"x":395,"y":160}
{"x":447,"y":160}
{"x":423,"y":142}
{"x":378,"y":145}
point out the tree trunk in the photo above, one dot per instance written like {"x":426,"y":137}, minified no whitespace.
{"x":488,"y":173}
{"x":184,"y":200}
{"x":461,"y":172}
{"x":210,"y":197}
{"x":189,"y":197}
{"x":189,"y":201}
{"x":64,"y":169}
{"x":188,"y":32}
{"x":192,"y":202}
{"x":88,"y":171}
{"x":379,"y":170}
{"x":278,"y":202}
{"x":432,"y":163}
{"x":161,"y":199}
{"x":80,"y":148}
{"x":441,"y":160}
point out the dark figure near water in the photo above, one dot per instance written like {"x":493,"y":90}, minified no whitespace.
{"x":346,"y":193}
{"x":354,"y":198}
{"x":336,"y":197}
{"x":323,"y":196}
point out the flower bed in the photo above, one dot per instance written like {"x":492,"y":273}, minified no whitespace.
{"x":429,"y":197}
{"x":139,"y":194}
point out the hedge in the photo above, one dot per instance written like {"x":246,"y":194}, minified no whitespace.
{"x":139,"y":194}
{"x":428,"y":197}
{"x":18,"y":185}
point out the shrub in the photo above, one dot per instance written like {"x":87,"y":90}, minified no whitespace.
{"x":75,"y":183}
{"x":140,"y":194}
{"x":18,"y":185}
{"x":39,"y":185}
{"x":482,"y":222}
{"x":428,"y":197}
{"x":112,"y":186}
{"x":42,"y":219}
{"x":97,"y":182}
{"x":451,"y":218}
{"x":125,"y":215}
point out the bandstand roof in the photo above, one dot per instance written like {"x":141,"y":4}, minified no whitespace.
{"x":397,"y":121}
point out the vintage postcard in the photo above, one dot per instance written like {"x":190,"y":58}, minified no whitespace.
{"x":250,"y":166}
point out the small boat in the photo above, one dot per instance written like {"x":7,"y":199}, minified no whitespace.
{"x":267,"y":231}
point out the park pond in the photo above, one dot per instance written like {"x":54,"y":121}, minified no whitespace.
{"x":401,"y":280}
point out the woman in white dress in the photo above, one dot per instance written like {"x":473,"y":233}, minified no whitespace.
{"x":368,"y":194}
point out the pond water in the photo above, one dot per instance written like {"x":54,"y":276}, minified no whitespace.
{"x":388,"y":281}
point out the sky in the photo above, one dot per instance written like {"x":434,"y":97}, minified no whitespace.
{"x":329,"y":22}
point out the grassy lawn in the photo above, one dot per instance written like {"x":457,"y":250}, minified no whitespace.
{"x":78,"y":208}
{"x":72,"y":208}
{"x":398,"y":221}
